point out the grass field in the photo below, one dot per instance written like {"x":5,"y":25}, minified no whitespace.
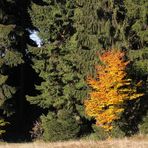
{"x":117,"y":143}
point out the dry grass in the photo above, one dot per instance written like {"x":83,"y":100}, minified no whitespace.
{"x":117,"y":143}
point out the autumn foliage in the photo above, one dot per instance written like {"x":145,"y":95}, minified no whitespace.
{"x":110,"y":90}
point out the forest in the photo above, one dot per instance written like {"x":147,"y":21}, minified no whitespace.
{"x":71,"y":69}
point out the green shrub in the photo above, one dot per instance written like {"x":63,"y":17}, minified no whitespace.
{"x":143,"y":127}
{"x":101,"y":134}
{"x":64,"y":127}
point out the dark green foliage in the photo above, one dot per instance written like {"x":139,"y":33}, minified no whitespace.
{"x":135,"y":112}
{"x":137,"y":35}
{"x":52,"y":19}
{"x":8,"y":59}
{"x":100,"y":134}
{"x":64,"y":127}
{"x":143,"y":126}
{"x":52,"y":63}
{"x":49,"y":59}
{"x":11,"y":55}
{"x":137,"y":51}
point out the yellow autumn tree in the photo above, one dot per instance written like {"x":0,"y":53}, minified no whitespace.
{"x":110,"y":90}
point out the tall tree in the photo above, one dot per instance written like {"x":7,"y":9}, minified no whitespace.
{"x":53,"y":20}
{"x":135,"y":30}
{"x":11,"y":56}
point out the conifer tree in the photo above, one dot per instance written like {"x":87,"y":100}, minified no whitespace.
{"x":136,"y":46}
{"x":14,"y":63}
{"x":136,"y":20}
{"x":9,"y":56}
{"x":53,"y":20}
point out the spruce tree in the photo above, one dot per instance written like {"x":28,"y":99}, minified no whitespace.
{"x":137,"y":48}
{"x":137,"y":36}
{"x":10,"y":57}
{"x":53,"y":20}
{"x":6,"y":90}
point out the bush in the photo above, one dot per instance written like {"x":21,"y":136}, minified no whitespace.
{"x":143,"y":127}
{"x":101,"y":134}
{"x":64,"y":127}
